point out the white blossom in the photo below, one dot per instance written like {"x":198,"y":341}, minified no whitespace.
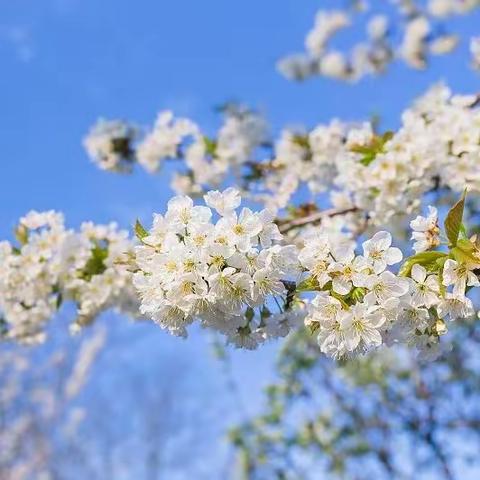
{"x":361,"y":327}
{"x":164,"y":140}
{"x":425,"y":288}
{"x":455,"y":306}
{"x":421,"y":29}
{"x":223,"y":202}
{"x":425,"y":231}
{"x":380,"y":253}
{"x":460,"y":276}
{"x":110,"y":144}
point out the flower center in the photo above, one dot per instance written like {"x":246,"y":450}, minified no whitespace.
{"x":238,"y":229}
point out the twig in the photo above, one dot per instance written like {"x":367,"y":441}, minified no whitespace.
{"x":316,"y":217}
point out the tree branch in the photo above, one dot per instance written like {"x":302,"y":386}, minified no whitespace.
{"x":317,"y":217}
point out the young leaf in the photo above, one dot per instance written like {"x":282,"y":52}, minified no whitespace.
{"x":453,"y":222}
{"x":210,"y":146}
{"x":95,"y":264}
{"x":59,"y":301}
{"x":466,"y":252}
{"x":371,"y":150}
{"x":301,"y":141}
{"x":21,"y":234}
{"x":140,"y":231}
{"x":429,"y":260}
{"x":308,"y":285}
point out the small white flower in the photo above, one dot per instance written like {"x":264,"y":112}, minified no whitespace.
{"x":242,"y":229}
{"x":283,"y":259}
{"x":380,"y":253}
{"x":164,"y":140}
{"x":361,"y":326}
{"x":425,"y":231}
{"x":266,"y":284}
{"x":326,"y":312}
{"x":224,"y":202}
{"x":455,"y":306}
{"x":415,"y":318}
{"x":458,"y":275}
{"x":425,"y":289}
{"x":348,"y":273}
{"x":270,"y":232}
{"x":386,"y":286}
{"x":181,"y":213}
{"x":377,"y":27}
{"x":319,"y":268}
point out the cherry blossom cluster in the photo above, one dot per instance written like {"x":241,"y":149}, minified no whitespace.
{"x":110,"y":144}
{"x":375,"y":176}
{"x":51,"y":264}
{"x":116,"y":146}
{"x":361,"y":303}
{"x":382,"y":176}
{"x":231,"y":275}
{"x":422,"y":33}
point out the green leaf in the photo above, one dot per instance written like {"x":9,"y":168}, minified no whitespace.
{"x":439,"y":264}
{"x":466,"y":252}
{"x":372,"y":149}
{"x":301,"y":141}
{"x":21,"y":234}
{"x":429,"y":260}
{"x":341,"y":298}
{"x":308,"y":285}
{"x":453,"y":222}
{"x":368,"y":158}
{"x":313,"y":327}
{"x":210,"y":146}
{"x":140,"y":231}
{"x":95,"y":264}
{"x":59,"y":301}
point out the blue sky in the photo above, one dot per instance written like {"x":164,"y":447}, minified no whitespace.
{"x":67,"y":62}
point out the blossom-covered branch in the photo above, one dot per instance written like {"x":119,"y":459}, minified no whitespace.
{"x":50,"y":264}
{"x":255,"y":275}
{"x":240,"y":276}
{"x":362,"y":303}
{"x":231,"y":274}
{"x":376,"y":176}
{"x":407,"y":30}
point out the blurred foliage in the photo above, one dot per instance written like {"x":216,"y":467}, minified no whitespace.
{"x":385,"y":415}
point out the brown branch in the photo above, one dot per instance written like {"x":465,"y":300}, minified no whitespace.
{"x":317,"y":217}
